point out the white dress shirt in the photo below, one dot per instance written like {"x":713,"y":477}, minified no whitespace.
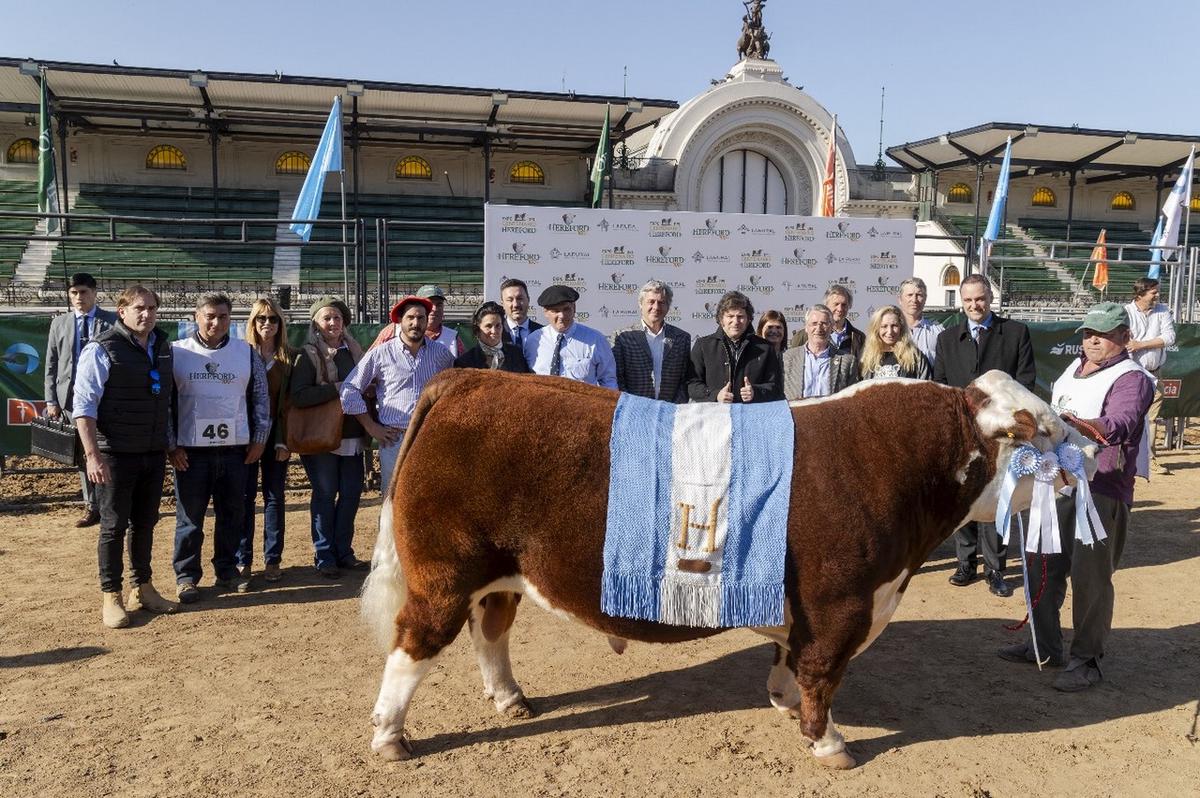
{"x":1146,"y":326}
{"x":586,"y":354}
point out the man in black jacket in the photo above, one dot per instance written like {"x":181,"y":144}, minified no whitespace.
{"x":733,"y":364}
{"x":982,"y":342}
{"x":122,"y":400}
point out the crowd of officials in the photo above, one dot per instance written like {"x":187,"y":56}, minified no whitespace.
{"x":228,"y":413}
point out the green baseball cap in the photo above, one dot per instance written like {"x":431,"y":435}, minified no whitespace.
{"x":1105,"y":317}
{"x":430,"y":291}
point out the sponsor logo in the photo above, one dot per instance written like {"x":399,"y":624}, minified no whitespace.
{"x":710,"y":285}
{"x":747,"y":230}
{"x":22,"y":412}
{"x":799,"y":232}
{"x":664,"y":257}
{"x":572,"y":280}
{"x":618,"y":313}
{"x":756,"y":259}
{"x":617,"y":256}
{"x":21,"y":358}
{"x":567,"y":225}
{"x":873,"y":233}
{"x":711,"y":228}
{"x":616,"y":282}
{"x":845,"y":282}
{"x":210,"y":374}
{"x":788,"y":285}
{"x":885,"y":260}
{"x":518,"y":253}
{"x":882,"y":286}
{"x":799,"y":258}
{"x":1171,"y":388}
{"x":530,"y":283}
{"x":1066,"y":348}
{"x":843,"y":231}
{"x":795,"y":313}
{"x":521,"y":223}
{"x":582,"y":315}
{"x":755,"y":284}
{"x":843,"y":260}
{"x":709,"y":309}
{"x":569,"y":254}
{"x":666,"y":228}
{"x":626,"y":227}
{"x":674,"y":315}
{"x":700,"y":257}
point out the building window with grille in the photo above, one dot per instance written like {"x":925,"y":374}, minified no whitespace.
{"x":1044,"y":198}
{"x":413,"y":167}
{"x":164,"y":156}
{"x":950,"y":275}
{"x":527,"y":172}
{"x":292,"y":163}
{"x":1123,"y":201}
{"x":1195,"y":205}
{"x":23,"y":151}
{"x":960,"y":192}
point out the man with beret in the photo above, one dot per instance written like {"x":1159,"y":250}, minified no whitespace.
{"x":434,"y":330}
{"x":1105,"y":395}
{"x":69,"y":333}
{"x":399,"y":370}
{"x":565,"y":348}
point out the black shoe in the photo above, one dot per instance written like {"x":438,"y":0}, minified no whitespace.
{"x":997,"y":585}
{"x":329,"y":571}
{"x":1023,"y":652}
{"x":90,"y":517}
{"x":964,"y":576}
{"x":352,"y":563}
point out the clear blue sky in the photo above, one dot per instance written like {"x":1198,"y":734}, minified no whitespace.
{"x":946,"y":63}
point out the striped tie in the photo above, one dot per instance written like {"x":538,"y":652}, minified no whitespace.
{"x":556,"y":361}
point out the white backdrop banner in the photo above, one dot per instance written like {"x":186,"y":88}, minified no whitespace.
{"x":783,"y":263}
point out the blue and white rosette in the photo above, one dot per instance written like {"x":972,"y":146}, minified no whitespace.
{"x":1043,"y":518}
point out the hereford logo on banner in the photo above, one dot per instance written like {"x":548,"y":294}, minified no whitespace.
{"x":782,"y":263}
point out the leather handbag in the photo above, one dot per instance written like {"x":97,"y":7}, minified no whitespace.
{"x":316,"y":429}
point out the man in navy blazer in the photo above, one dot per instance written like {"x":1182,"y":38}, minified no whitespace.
{"x":69,"y":332}
{"x":652,"y":359}
{"x":514,"y":296}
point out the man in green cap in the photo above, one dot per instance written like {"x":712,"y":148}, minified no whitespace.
{"x":1105,"y":395}
{"x":434,"y":330}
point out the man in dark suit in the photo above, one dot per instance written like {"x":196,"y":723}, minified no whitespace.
{"x":514,"y":296}
{"x":844,"y":337}
{"x":982,"y":342}
{"x":69,"y":333}
{"x":652,"y":359}
{"x":733,"y":364}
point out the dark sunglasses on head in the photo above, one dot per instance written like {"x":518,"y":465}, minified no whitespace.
{"x":268,"y":319}
{"x":155,"y":383}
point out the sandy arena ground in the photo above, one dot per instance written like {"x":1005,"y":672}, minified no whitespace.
{"x":270,"y":693}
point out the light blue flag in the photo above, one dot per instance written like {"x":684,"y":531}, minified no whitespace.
{"x":1155,"y":254}
{"x":996,"y":217}
{"x":328,"y":158}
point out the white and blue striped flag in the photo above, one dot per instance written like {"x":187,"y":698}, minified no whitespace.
{"x":1167,"y":232}
{"x":996,"y":217}
{"x":328,"y":158}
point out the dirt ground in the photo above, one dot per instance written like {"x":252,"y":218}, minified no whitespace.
{"x":270,"y":693}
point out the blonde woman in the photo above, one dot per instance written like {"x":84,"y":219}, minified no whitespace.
{"x":889,"y":350}
{"x":267,"y":336}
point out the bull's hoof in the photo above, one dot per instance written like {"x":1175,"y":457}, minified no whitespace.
{"x":839,"y":761}
{"x":792,"y":712}
{"x":618,"y":644}
{"x":393,"y":750}
{"x":518,"y":710}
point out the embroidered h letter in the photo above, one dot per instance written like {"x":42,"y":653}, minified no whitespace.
{"x":685,"y":523}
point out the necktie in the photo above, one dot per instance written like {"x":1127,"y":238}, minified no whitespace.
{"x":83,"y":333}
{"x":516,"y":336}
{"x":556,"y":361}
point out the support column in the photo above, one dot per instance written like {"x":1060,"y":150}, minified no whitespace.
{"x":1070,"y":209}
{"x":487,"y":168}
{"x":978,"y":199}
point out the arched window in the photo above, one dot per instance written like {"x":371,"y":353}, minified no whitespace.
{"x":960,"y":192}
{"x":23,"y":151}
{"x":413,"y":167}
{"x":292,"y":163}
{"x":164,"y":156}
{"x":950,"y":275}
{"x":527,"y":172}
{"x":1123,"y":201}
{"x":1044,"y":198}
{"x":1195,"y":204}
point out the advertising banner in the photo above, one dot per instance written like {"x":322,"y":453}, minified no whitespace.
{"x":783,"y":263}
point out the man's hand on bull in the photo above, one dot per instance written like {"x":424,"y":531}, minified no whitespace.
{"x":725,"y":395}
{"x":747,"y":390}
{"x":1089,"y":428}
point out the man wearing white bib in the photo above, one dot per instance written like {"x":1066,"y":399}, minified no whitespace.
{"x":1106,"y":396}
{"x":222,"y":421}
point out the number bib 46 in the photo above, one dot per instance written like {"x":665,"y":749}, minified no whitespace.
{"x":215,"y":431}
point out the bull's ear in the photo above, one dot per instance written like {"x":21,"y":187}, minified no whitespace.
{"x":976,"y":399}
{"x":1024,"y":427}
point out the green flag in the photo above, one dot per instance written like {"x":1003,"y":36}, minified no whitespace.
{"x":47,"y":185}
{"x":600,"y":163}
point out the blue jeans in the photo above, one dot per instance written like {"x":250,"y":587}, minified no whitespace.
{"x":387,"y":464}
{"x":337,"y":484}
{"x":274,"y":475}
{"x":217,"y":475}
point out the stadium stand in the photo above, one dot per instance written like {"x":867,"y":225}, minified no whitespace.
{"x":1084,"y":233}
{"x":1023,"y":282}
{"x":15,"y":196}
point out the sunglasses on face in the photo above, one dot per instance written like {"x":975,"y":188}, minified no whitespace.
{"x":155,"y":383}
{"x":267,"y":319}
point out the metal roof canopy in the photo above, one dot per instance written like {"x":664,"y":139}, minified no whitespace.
{"x":1121,"y":154}
{"x":133,"y":100}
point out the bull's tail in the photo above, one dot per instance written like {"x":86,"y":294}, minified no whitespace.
{"x":383,"y":590}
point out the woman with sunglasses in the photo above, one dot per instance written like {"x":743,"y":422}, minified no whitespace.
{"x":267,"y":335}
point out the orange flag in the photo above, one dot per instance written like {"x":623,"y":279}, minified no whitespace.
{"x":828,"y":184}
{"x":1100,"y":260}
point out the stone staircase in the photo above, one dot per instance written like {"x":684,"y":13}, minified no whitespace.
{"x":38,"y":256}
{"x":1061,"y":274}
{"x":286,"y":268}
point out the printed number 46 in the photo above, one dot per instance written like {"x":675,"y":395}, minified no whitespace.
{"x":216,"y":431}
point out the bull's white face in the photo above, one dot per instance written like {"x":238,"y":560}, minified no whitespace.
{"x":1001,"y":420}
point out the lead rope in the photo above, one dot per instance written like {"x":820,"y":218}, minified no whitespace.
{"x":1030,"y":602}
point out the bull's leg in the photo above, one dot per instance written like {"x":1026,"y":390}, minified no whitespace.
{"x":491,"y":619}
{"x":781,"y":683}
{"x":423,"y":628}
{"x":816,"y":723}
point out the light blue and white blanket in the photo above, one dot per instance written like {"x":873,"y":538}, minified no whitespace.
{"x":697,"y":513}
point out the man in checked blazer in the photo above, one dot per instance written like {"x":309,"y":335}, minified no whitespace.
{"x":652,"y":360}
{"x":69,"y":332}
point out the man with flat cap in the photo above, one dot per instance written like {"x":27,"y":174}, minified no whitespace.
{"x":434,"y":329}
{"x":565,"y":348}
{"x":1106,"y":396}
{"x":69,"y":333}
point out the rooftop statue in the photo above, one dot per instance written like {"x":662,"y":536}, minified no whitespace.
{"x":754,"y":42}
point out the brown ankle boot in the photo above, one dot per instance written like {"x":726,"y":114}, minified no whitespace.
{"x":145,"y":597}
{"x":113,"y":613}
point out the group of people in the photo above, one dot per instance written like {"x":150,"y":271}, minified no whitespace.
{"x":218,"y":408}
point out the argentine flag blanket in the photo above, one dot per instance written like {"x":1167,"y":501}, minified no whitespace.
{"x":697,"y":512}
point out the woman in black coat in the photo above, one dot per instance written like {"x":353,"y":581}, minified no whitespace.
{"x":490,"y":352}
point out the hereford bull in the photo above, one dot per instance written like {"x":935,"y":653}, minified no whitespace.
{"x":882,"y":474}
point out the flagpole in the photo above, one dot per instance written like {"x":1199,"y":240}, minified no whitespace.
{"x":1187,"y":222}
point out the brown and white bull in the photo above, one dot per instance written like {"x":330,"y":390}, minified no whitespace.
{"x":883,"y":473}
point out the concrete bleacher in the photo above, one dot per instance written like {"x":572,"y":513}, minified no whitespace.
{"x":1021,"y":281}
{"x":175,"y":266}
{"x":16,"y":196}
{"x":1084,"y":233}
